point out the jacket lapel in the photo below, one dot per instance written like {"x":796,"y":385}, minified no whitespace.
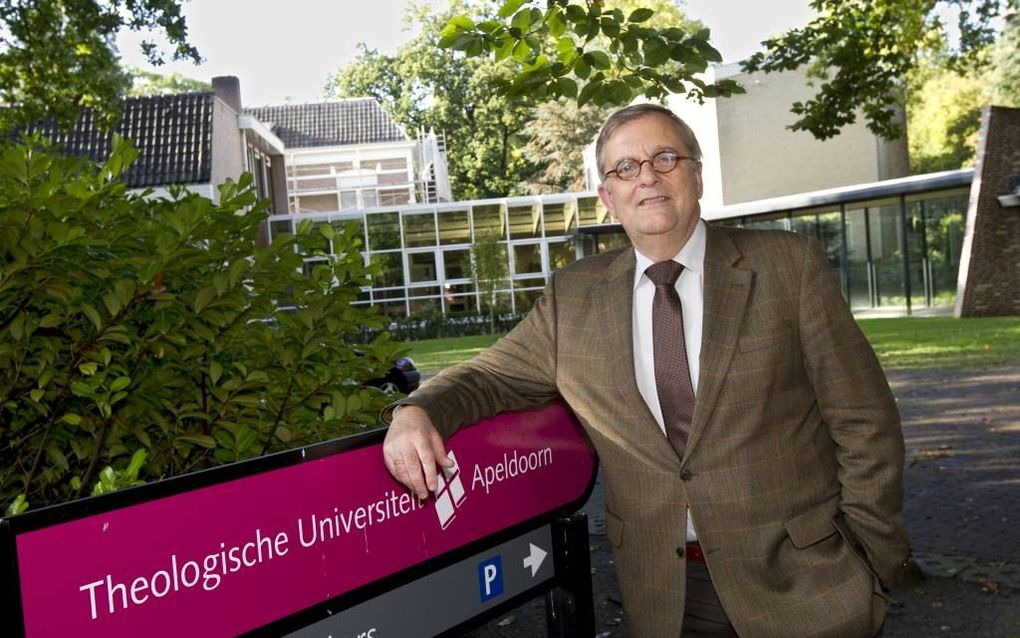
{"x":614,"y":302}
{"x":727,"y":289}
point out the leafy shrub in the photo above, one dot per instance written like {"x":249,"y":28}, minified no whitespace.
{"x":130,"y":323}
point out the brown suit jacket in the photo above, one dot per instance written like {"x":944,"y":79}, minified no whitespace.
{"x":793,"y":471}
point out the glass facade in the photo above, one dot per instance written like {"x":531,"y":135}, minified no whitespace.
{"x":900,"y":252}
{"x":422,"y":254}
{"x":884,"y":252}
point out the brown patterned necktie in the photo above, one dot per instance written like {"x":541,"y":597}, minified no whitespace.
{"x":672,"y":375}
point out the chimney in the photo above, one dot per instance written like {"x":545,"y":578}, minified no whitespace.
{"x":228,"y":89}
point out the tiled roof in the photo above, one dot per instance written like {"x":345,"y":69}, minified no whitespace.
{"x":172,"y":133}
{"x":337,"y":123}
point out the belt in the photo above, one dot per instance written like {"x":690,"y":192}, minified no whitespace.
{"x":693,"y":552}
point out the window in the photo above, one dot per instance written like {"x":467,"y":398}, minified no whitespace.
{"x":454,"y":227}
{"x":383,"y":231}
{"x":419,"y":230}
{"x":457,"y":264}
{"x":317,"y":203}
{"x":527,"y":258}
{"x":421,"y":266}
{"x":522,"y":220}
{"x":561,"y":254}
{"x":390,"y":270}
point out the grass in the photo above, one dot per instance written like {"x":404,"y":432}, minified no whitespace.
{"x":433,"y":355}
{"x":904,"y":343}
{"x":945,"y":342}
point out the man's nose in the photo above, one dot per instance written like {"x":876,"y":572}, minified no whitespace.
{"x":647,"y":174}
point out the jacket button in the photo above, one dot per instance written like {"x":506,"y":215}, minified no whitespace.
{"x":680,"y":552}
{"x":686,"y":475}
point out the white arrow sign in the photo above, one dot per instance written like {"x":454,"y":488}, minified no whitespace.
{"x":534,"y":559}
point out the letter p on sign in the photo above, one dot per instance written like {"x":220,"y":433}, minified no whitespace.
{"x":490,"y":578}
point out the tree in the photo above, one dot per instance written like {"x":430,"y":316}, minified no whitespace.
{"x":423,"y":87}
{"x":134,"y":323}
{"x":558,"y":133}
{"x":561,"y":45}
{"x":944,"y":101}
{"x":863,"y":53}
{"x":148,"y":83}
{"x":58,"y":57}
{"x":560,"y":129}
{"x":489,"y":271}
{"x":943,"y":116}
{"x":1004,"y":61}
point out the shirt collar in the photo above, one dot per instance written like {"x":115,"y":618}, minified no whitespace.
{"x":691,"y":256}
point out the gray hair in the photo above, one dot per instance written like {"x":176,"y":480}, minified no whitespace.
{"x":635,"y":111}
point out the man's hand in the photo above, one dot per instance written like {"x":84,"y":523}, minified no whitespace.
{"x":412,"y":448}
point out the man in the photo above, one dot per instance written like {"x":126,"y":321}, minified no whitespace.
{"x":750,"y":447}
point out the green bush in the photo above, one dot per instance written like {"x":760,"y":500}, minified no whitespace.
{"x":131,"y":323}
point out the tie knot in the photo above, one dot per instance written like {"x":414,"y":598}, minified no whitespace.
{"x":664,"y":272}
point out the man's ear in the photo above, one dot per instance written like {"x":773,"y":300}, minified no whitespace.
{"x":607,"y":199}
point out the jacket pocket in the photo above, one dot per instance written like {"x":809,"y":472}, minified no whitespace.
{"x":814,"y":525}
{"x":614,"y":529}
{"x":840,"y":524}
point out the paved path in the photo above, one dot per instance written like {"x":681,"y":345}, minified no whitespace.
{"x":962,"y":430}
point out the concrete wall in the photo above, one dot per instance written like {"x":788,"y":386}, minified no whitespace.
{"x":989,"y":278}
{"x":757,"y":156}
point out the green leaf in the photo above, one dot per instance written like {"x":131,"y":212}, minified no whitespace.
{"x":522,"y":20}
{"x":51,"y":320}
{"x":203,"y":298}
{"x":655,"y":51}
{"x":215,"y":372}
{"x":609,"y":26}
{"x":201,"y":440}
{"x":120,"y":383}
{"x":504,"y":49}
{"x":510,"y":7}
{"x":587,"y":93}
{"x":565,"y":46}
{"x":19,"y":505}
{"x":598,"y":59}
{"x":93,"y":315}
{"x":567,"y":87}
{"x":37,"y":394}
{"x":711,"y":54}
{"x":576,"y":13}
{"x":112,"y":303}
{"x":582,"y":69}
{"x":557,"y":23}
{"x":135,"y":465}
{"x":640,"y":15}
{"x":522,"y":51}
{"x":57,"y":457}
{"x":463,"y":23}
{"x":17,"y":327}
{"x":89,"y":368}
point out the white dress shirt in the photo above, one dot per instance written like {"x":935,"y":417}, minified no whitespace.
{"x":690,"y":286}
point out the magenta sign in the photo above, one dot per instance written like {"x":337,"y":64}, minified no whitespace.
{"x":233,"y":556}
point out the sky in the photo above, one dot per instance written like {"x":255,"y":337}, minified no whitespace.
{"x":285,"y":51}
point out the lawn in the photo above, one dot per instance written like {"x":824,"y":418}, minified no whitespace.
{"x":907,"y":342}
{"x":945,"y":342}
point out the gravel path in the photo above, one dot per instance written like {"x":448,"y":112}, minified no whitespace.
{"x":962,"y":430}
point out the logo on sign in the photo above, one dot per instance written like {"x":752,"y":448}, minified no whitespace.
{"x":449,"y":493}
{"x":490,"y":578}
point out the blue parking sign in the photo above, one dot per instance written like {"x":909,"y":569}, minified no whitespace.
{"x":490,"y":578}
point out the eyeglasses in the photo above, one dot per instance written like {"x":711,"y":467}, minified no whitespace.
{"x":662,"y":162}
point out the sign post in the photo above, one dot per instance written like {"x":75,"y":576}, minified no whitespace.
{"x":308,"y":539}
